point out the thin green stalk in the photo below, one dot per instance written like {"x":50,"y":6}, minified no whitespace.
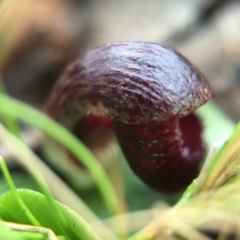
{"x":30,"y":232}
{"x":7,"y":233}
{"x":40,"y":172}
{"x":11,"y":185}
{"x":13,"y":231}
{"x":21,"y":151}
{"x":30,"y":160}
{"x":17,"y":109}
{"x":11,"y":124}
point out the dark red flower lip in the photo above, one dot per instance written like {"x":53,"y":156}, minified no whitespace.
{"x":144,"y":89}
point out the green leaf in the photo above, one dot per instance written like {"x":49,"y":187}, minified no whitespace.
{"x":40,"y":208}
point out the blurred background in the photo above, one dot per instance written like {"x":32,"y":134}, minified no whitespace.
{"x":41,"y":37}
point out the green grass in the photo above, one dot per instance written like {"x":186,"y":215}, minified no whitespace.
{"x":17,"y":205}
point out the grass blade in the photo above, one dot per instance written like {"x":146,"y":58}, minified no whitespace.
{"x":11,"y":185}
{"x":16,"y":109}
